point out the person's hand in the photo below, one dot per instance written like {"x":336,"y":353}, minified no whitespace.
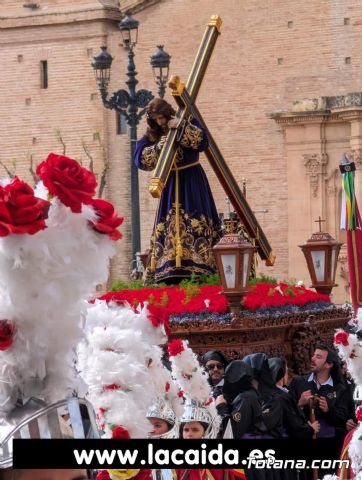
{"x":350,"y":425}
{"x":315,"y":425}
{"x":173,"y":123}
{"x":220,"y":399}
{"x":304,"y":398}
{"x":323,"y":404}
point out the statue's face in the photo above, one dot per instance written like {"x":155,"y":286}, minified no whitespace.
{"x":161,"y":120}
{"x":50,"y":474}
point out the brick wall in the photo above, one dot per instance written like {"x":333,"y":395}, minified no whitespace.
{"x":268,"y":55}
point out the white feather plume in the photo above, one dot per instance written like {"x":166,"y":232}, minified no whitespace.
{"x":44,"y":279}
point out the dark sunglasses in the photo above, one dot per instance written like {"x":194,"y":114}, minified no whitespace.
{"x":212,"y":366}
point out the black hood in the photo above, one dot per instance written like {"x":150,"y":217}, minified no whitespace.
{"x":261,"y":370}
{"x":277,"y":367}
{"x":237,"y":379}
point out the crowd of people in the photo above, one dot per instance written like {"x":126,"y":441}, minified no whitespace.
{"x":258,"y":399}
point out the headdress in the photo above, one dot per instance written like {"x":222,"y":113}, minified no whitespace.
{"x":195,"y":411}
{"x":33,"y":420}
{"x":160,"y":409}
{"x":192,"y":379}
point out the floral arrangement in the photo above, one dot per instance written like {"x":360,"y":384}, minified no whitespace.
{"x":173,"y":301}
{"x":55,"y":246}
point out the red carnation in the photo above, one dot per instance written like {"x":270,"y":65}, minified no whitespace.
{"x":359,"y":413}
{"x":67,"y":180}
{"x":341,"y":338}
{"x":167,"y":387}
{"x":107,"y":219}
{"x":175,"y":347}
{"x":181,"y":394}
{"x":120,"y":432}
{"x":7,"y":332}
{"x":102,"y":475}
{"x":20,"y":211}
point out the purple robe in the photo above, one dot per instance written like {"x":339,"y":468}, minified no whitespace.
{"x":199,"y":225}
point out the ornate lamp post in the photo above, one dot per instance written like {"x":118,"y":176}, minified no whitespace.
{"x":321,"y":253}
{"x":160,"y":63}
{"x":234,"y":255}
{"x":131,"y":104}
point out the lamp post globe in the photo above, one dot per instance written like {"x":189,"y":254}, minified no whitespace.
{"x":160,"y":63}
{"x":129,"y":31}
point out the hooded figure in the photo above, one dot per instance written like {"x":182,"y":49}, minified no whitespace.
{"x":278,"y":368}
{"x":294,"y":422}
{"x":215,"y":364}
{"x":240,"y":402}
{"x":271,"y":406}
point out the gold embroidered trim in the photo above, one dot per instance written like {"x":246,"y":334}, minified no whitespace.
{"x":192,"y":137}
{"x":149,"y":157}
{"x":196,"y":237}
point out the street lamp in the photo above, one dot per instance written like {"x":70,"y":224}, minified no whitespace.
{"x":131,"y":104}
{"x":321,"y":253}
{"x":234,"y":255}
{"x":129,"y":31}
{"x":160,"y":63}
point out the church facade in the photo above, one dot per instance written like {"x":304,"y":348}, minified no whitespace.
{"x":281,"y":97}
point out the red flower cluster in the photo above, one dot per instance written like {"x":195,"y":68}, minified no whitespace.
{"x":108,"y":219}
{"x":20,"y":211}
{"x":67,"y":180}
{"x":265,"y":295}
{"x":175,"y":347}
{"x":341,"y":338}
{"x":359,"y":413}
{"x":74,"y":186}
{"x":120,"y":432}
{"x":7,"y":332}
{"x":163,"y":302}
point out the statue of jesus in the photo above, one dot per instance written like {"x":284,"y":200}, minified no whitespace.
{"x":187,"y":224}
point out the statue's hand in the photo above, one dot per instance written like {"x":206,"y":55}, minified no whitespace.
{"x":173,"y":123}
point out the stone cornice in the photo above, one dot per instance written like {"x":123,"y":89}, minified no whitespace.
{"x":39,"y":18}
{"x":322,"y":109}
{"x":135,"y":6}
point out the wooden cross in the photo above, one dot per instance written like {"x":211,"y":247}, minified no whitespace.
{"x":185,"y":96}
{"x":320,"y":221}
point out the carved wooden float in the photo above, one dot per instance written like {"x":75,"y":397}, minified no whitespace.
{"x":293,"y":336}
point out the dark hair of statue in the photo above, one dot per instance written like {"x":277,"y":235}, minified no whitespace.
{"x":156,"y":107}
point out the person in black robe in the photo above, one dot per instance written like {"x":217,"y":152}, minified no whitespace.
{"x":294,"y":422}
{"x":239,"y":402}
